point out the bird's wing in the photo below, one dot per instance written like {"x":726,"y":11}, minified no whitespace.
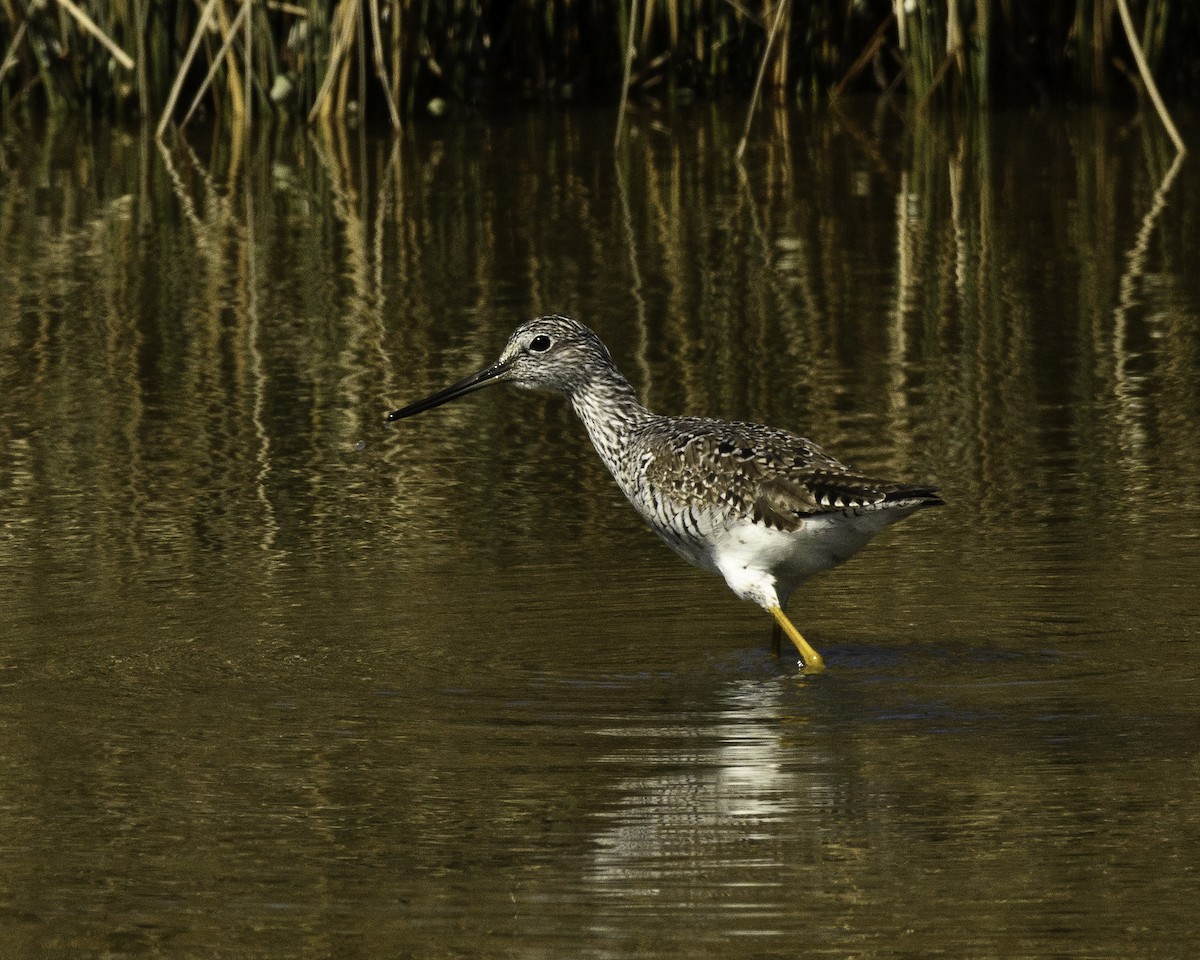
{"x":766,"y":475}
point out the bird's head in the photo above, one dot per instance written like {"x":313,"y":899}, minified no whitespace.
{"x":551,"y":353}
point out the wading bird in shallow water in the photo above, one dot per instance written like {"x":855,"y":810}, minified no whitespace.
{"x":762,"y":507}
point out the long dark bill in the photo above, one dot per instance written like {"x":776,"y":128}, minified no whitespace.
{"x":466,"y":385}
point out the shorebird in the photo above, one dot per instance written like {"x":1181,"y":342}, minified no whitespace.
{"x":762,"y":507}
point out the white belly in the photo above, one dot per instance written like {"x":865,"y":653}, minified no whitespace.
{"x":766,"y":565}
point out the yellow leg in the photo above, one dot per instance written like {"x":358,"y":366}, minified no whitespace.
{"x":812,"y":660}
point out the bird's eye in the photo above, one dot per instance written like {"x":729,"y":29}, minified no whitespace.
{"x":540,"y":343}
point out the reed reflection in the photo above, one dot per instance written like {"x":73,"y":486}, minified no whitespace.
{"x":329,"y":276}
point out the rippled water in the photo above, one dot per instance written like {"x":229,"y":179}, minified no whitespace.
{"x":278,"y":682}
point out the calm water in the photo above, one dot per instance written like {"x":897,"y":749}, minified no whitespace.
{"x":278,"y":682}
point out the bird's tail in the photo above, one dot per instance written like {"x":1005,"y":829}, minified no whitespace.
{"x":915,"y":497}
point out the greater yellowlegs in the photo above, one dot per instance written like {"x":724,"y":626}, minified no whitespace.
{"x":762,"y":507}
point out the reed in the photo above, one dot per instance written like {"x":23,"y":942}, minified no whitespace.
{"x":337,"y":60}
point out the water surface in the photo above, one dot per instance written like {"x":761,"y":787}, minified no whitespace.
{"x":276,"y":681}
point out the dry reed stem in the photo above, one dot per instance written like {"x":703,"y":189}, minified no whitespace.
{"x":954,"y":38}
{"x":647,"y":26}
{"x":215,"y":66}
{"x":10,"y":58}
{"x":89,"y":25}
{"x":249,"y":95}
{"x":381,"y":71}
{"x":141,"y":16}
{"x":1148,"y":77}
{"x":762,"y":70}
{"x":746,"y":12}
{"x":345,"y":28}
{"x":396,"y":52}
{"x":228,"y":32}
{"x":343,"y":87}
{"x":872,"y":47}
{"x":177,"y":86}
{"x":783,"y":57}
{"x":362,"y":57}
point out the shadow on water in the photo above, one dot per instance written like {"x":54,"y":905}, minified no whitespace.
{"x":277,"y":681}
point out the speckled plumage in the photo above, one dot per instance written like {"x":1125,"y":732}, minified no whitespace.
{"x":763,"y":507}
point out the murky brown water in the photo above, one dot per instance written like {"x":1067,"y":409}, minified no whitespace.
{"x":278,"y":682}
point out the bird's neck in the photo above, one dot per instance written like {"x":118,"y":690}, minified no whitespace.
{"x":608,"y":408}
